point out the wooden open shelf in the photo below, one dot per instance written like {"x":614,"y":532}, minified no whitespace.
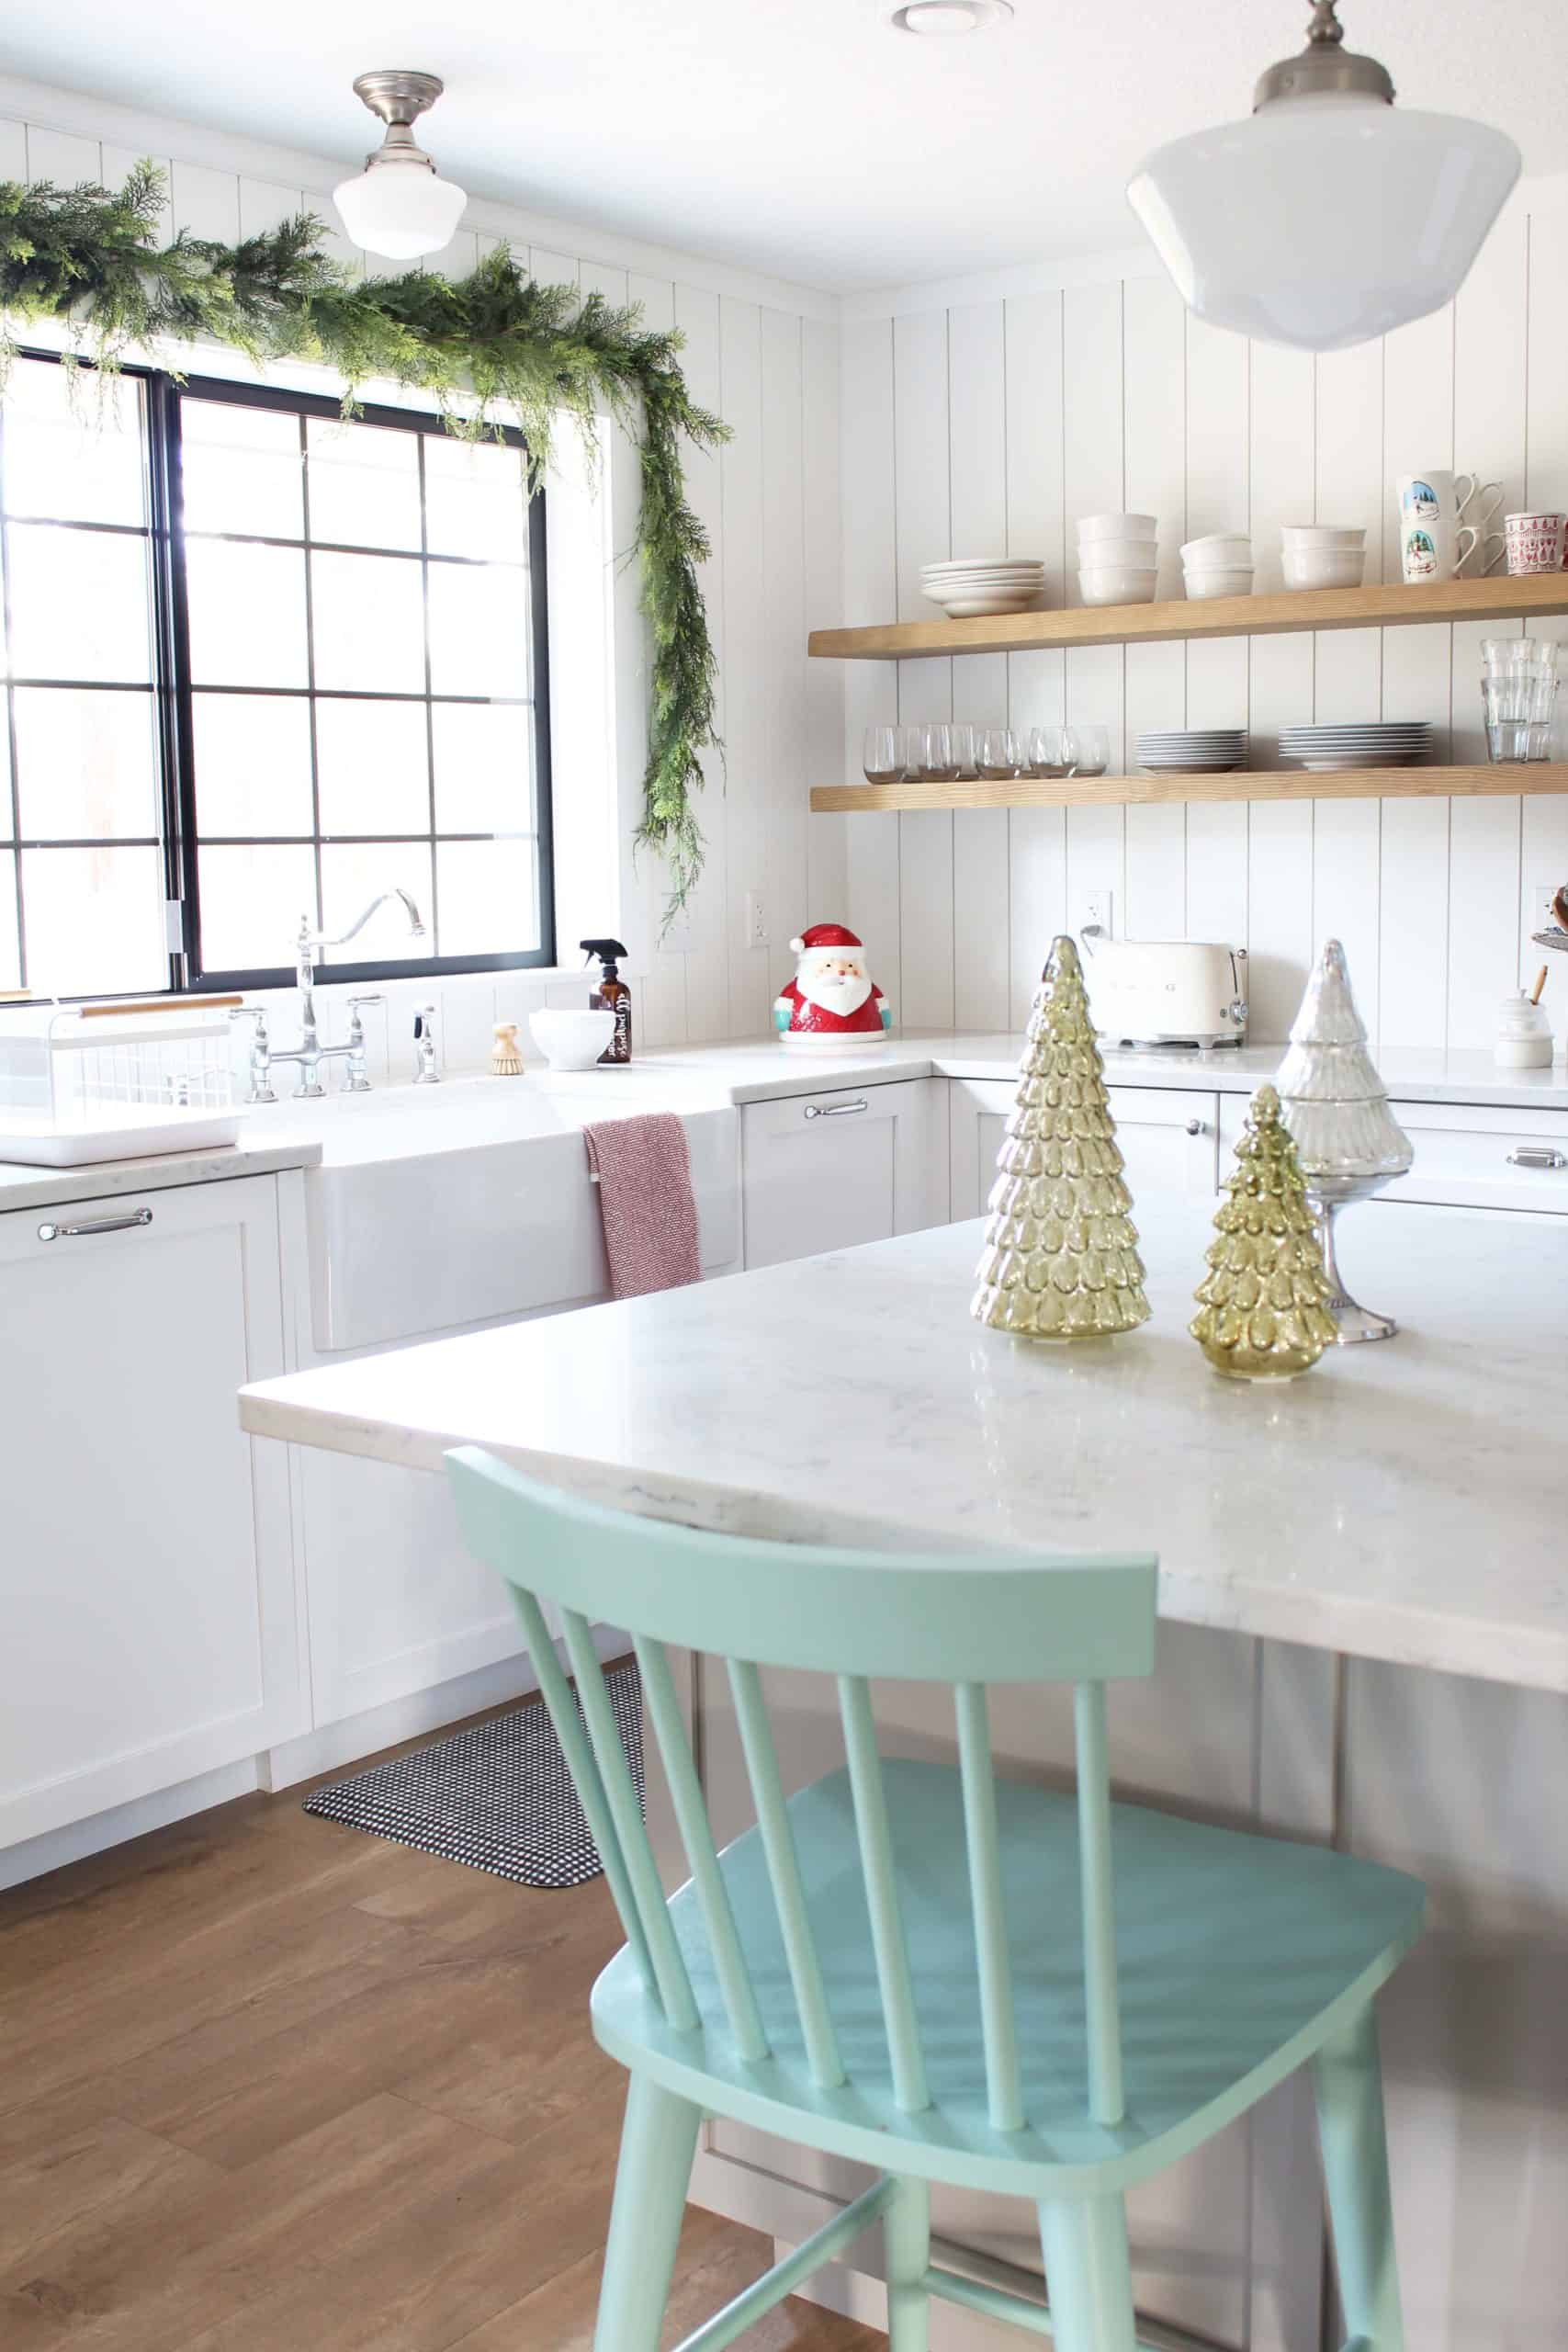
{"x":1276,"y":615}
{"x":1259,"y":784}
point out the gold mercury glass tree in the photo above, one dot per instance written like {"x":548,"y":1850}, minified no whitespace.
{"x":1263,"y":1306}
{"x":1061,"y":1257}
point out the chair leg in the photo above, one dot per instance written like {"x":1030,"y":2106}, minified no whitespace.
{"x":658,"y":2140}
{"x":1089,"y":2278}
{"x":906,"y":2247}
{"x":1348,"y":2078}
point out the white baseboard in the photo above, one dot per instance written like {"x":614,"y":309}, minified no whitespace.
{"x":35,"y":1856}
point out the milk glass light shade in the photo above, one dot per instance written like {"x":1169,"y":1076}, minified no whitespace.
{"x":400,"y":209}
{"x":1324,"y":221}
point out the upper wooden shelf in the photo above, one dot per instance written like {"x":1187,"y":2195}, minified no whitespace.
{"x":1258,"y":784}
{"x":1276,"y":615}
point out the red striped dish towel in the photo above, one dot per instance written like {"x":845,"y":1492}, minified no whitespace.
{"x":646,"y":1200}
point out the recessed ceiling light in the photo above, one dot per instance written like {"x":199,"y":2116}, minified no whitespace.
{"x":940,"y":19}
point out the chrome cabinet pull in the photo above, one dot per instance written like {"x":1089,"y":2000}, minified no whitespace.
{"x":94,"y":1225}
{"x":1197,"y":1126}
{"x":1536,"y":1155}
{"x":834,"y":1109}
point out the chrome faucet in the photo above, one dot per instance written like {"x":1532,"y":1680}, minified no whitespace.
{"x":310,"y":1053}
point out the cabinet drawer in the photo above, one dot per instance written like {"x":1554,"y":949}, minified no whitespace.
{"x":1168,"y":1138}
{"x":1469,"y":1156}
{"x":841,"y":1166}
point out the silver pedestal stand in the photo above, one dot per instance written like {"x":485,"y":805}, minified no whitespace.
{"x":1328,"y":1194}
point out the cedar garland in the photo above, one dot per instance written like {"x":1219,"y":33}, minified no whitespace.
{"x":490,"y":342}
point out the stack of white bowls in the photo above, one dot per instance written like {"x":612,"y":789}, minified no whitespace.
{"x":1219,"y":565}
{"x":969,"y":585}
{"x":1118,"y":556}
{"x":1321,"y":555}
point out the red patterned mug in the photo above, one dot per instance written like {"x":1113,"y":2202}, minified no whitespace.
{"x":1537,"y":543}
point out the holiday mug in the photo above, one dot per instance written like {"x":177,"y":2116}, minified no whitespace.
{"x":1535,"y":543}
{"x":1435,"y":539}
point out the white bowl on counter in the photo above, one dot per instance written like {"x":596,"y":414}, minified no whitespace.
{"x":1117,"y":583}
{"x":572,"y":1040}
{"x":1118,"y":526}
{"x":1217,"y":580}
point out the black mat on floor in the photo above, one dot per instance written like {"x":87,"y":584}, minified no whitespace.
{"x":498,"y":1797}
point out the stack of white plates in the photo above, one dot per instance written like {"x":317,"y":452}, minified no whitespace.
{"x":969,"y":585}
{"x":1329,"y":749}
{"x":1192,"y":751}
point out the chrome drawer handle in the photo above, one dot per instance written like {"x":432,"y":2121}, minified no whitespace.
{"x":94,"y":1225}
{"x":1537,"y":1155}
{"x":834,"y":1109}
{"x":1197,"y":1126}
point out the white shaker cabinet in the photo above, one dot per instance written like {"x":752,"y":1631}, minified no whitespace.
{"x":1169,"y":1139}
{"x":843,"y":1165}
{"x":146,"y":1566}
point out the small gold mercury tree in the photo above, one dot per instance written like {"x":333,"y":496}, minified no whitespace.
{"x":1262,"y":1307}
{"x":1060,"y":1258}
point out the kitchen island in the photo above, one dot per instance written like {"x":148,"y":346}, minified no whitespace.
{"x":1365,"y":1581}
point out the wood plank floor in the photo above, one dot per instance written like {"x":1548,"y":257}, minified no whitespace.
{"x":269,"y":2085}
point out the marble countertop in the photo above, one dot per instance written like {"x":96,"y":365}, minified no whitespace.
{"x":1402,"y":1502}
{"x":255,"y":1155}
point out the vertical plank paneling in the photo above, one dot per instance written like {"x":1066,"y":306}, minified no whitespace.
{"x":1413,"y":946}
{"x":1280,"y":912}
{"x":923,"y":512}
{"x":977,"y":477}
{"x":871,"y":591}
{"x":1281,"y":422}
{"x":822,"y":531}
{"x":1036,"y":682}
{"x":783,"y":808}
{"x":205,"y":203}
{"x":746,"y":657}
{"x":1094,"y":482}
{"x":1351,"y":493}
{"x":664,"y":981}
{"x":1346,"y":891}
{"x":1216,"y":871}
{"x":1154,"y":411}
{"x":63,"y":156}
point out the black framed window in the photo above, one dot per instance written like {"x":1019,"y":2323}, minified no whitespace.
{"x":263,"y":664}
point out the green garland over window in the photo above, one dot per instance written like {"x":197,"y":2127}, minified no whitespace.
{"x":495,"y":342}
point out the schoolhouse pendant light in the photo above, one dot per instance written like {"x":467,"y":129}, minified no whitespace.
{"x":397,"y":206}
{"x":1330,"y":215}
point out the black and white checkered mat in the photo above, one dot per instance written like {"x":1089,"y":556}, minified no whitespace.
{"x":498,"y":1797}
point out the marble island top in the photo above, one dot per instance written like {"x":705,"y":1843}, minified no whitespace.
{"x":1402,"y":1502}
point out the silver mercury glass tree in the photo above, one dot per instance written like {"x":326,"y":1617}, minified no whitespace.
{"x":1348,"y":1140}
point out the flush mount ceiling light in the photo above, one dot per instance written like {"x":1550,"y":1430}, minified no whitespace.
{"x":397,"y":206}
{"x":1330,"y":216}
{"x":941,"y":19}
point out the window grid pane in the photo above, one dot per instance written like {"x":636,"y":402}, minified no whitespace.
{"x":418,"y":684}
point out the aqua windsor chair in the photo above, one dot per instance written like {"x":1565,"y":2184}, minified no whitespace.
{"x":945,"y":1976}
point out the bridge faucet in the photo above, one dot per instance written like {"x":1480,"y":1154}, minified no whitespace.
{"x":310,"y":1053}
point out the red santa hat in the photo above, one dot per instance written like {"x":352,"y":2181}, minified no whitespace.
{"x":824,"y":934}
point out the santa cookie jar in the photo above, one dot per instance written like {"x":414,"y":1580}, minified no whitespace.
{"x":832,"y":1005}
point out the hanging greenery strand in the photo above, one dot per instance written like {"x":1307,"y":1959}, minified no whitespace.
{"x":490,"y":348}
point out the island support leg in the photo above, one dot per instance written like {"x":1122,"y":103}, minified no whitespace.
{"x":1348,"y":2077}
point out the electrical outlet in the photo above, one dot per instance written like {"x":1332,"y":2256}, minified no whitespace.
{"x":1098,"y":913}
{"x":756,"y":920}
{"x":1542,"y":917}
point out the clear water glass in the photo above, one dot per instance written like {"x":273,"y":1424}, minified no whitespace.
{"x":882,"y":755}
{"x":1520,"y":706}
{"x":997,"y":756}
{"x":1091,"y":750}
{"x":961,"y":740}
{"x":1048,"y":751}
{"x":931,"y":753}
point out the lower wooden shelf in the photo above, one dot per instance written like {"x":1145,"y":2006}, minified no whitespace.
{"x":1257,"y":784}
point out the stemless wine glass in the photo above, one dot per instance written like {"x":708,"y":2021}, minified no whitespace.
{"x":1090,"y":752}
{"x":962,"y":741}
{"x":931,"y":754}
{"x":882,"y":756}
{"x":997,"y":755}
{"x":1047,"y":751}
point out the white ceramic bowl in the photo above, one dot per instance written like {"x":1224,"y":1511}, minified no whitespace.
{"x":572,"y":1040}
{"x":1230,"y":548}
{"x":1218,"y":579}
{"x":1129,"y":554}
{"x":1118,"y":526}
{"x":1117,"y":583}
{"x":1323,"y":567}
{"x":1320,"y":536}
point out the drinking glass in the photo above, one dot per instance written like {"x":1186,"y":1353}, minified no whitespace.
{"x":882,"y":756}
{"x":1048,"y":750}
{"x":1089,"y":750}
{"x":1518,"y":715}
{"x":997,"y":756}
{"x":931,"y":753}
{"x":962,"y":738}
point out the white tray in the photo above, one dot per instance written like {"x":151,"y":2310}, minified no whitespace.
{"x":109,"y":1131}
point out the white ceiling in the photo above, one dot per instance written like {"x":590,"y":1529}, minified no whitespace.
{"x":802,"y":137}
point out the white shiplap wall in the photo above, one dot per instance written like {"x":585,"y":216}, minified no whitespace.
{"x":766,"y":357}
{"x":995,"y":423}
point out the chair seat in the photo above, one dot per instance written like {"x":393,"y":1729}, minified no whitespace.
{"x":1238,"y":1957}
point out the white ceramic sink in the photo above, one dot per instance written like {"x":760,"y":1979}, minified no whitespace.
{"x":439,"y":1206}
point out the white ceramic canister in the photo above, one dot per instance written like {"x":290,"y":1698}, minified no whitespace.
{"x":1524,"y":1035}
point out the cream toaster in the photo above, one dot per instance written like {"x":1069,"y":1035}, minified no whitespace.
{"x":1166,"y":991}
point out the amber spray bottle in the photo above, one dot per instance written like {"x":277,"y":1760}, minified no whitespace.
{"x":612,"y":995}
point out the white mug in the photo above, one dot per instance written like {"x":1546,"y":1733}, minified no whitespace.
{"x":1434,"y":538}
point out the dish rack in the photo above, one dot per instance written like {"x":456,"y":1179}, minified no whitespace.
{"x":58,"y":1064}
